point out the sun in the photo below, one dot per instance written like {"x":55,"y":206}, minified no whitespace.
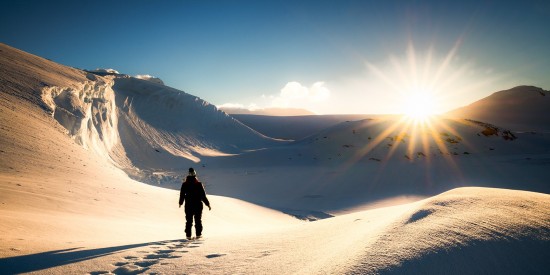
{"x":421,"y":83}
{"x":418,"y":105}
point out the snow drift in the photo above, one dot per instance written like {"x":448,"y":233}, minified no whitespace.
{"x":465,"y":231}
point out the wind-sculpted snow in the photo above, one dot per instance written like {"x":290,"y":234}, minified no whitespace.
{"x":145,"y":127}
{"x":87,"y":111}
{"x":465,"y":231}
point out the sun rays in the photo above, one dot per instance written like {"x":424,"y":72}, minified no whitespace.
{"x":421,"y":80}
{"x":421,"y":85}
{"x":415,"y":143}
{"x":419,"y":134}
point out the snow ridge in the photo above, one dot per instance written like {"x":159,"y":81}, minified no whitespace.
{"x":139,"y":125}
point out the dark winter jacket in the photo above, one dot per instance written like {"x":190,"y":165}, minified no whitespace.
{"x":192,"y":193}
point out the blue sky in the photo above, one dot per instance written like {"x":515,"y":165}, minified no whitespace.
{"x":326,"y":56}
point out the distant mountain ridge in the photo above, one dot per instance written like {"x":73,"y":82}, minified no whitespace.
{"x":522,"y":108}
{"x":294,"y":127}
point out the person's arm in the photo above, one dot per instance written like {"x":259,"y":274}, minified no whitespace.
{"x":182,"y":195}
{"x":204,"y":198}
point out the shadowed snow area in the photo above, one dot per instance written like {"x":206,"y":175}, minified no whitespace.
{"x":73,"y":144}
{"x":520,"y":108}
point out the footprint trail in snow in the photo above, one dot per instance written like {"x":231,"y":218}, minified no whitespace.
{"x":142,"y":260}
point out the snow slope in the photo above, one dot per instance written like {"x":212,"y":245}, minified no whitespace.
{"x":465,"y":231}
{"x":59,"y":196}
{"x":138,"y":124}
{"x":521,"y":108}
{"x":66,"y":207}
{"x":163,"y":129}
{"x":382,"y":161}
{"x":179,"y":123}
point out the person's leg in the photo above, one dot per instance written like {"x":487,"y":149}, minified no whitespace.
{"x":188,"y":222}
{"x":198,"y":222}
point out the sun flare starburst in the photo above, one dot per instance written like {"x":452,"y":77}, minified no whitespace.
{"x":418,"y":105}
{"x":420,"y":134}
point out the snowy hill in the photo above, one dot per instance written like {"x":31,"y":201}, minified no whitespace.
{"x":521,"y":108}
{"x":135,"y":123}
{"x":464,"y":231}
{"x":162,"y":128}
{"x":60,"y":193}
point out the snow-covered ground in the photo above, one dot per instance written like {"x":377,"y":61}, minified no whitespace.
{"x":67,"y":206}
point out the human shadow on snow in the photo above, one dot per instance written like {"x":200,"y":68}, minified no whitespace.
{"x":55,"y":258}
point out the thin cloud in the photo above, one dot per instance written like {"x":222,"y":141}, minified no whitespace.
{"x":294,"y":94}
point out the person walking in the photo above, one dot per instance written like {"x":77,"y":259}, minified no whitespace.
{"x":193,"y":194}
